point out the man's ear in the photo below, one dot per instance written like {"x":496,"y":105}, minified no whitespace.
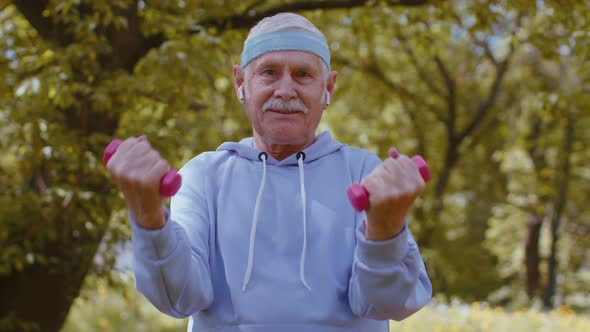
{"x":239,"y":83}
{"x":330,"y":85}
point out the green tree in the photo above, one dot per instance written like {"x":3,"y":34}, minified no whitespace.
{"x":544,"y":161}
{"x":77,"y":73}
{"x":464,"y":84}
{"x":439,"y":80}
{"x":494,"y":94}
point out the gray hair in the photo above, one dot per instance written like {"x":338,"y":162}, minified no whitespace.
{"x":284,"y":21}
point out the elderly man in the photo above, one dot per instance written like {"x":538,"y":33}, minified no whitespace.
{"x":260,"y":236}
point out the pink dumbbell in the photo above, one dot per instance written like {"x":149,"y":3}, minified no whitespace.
{"x":169,"y":184}
{"x":359,"y":196}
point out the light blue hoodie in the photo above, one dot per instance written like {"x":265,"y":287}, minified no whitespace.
{"x":261,"y":246}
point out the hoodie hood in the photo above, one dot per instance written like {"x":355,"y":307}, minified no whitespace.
{"x":324,"y":145}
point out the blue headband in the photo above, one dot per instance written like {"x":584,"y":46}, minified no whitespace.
{"x":285,"y":40}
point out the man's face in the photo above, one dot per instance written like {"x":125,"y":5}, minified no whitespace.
{"x":285,"y":96}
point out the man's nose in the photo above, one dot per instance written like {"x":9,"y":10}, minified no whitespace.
{"x":285,"y":88}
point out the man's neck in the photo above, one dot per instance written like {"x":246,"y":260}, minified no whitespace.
{"x":281,"y":151}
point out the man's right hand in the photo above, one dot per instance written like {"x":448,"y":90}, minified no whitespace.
{"x":136,"y":169}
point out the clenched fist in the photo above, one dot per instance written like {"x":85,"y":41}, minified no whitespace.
{"x":136,"y":169}
{"x":393,"y":186}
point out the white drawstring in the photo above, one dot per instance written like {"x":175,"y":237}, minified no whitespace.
{"x":300,"y":158}
{"x":261,"y":156}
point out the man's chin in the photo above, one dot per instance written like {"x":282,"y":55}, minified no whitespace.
{"x":288,"y":137}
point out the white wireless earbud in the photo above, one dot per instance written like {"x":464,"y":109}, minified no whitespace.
{"x":327,"y":98}
{"x":241,"y":93}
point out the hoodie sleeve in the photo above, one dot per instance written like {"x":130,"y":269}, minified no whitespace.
{"x":389,"y":279}
{"x":172,"y":268}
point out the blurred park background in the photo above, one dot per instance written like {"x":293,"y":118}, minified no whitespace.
{"x":494,"y":94}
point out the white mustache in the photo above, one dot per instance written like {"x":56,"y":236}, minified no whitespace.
{"x":278,"y":104}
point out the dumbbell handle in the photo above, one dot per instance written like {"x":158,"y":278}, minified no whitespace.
{"x":359,"y":196}
{"x":170,"y":182}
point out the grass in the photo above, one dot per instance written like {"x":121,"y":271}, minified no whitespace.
{"x":103,"y":309}
{"x":480,"y":318}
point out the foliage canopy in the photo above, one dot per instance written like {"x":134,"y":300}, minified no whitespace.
{"x":494,"y":94}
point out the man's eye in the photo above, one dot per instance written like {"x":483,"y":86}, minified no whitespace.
{"x":269,"y":72}
{"x":303,"y":74}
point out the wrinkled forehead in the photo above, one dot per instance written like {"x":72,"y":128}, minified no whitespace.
{"x":285,"y":40}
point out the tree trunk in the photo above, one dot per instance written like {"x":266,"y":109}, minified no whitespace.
{"x":560,"y":203}
{"x":532,"y":259}
{"x":42,"y":295}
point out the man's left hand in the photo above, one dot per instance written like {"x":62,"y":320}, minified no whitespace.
{"x":392,"y":187}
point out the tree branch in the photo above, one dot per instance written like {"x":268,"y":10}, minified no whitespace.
{"x":58,"y":34}
{"x":254,"y":4}
{"x":483,"y":109}
{"x":49,"y":30}
{"x":129,"y":44}
{"x":419,"y":69}
{"x":484,"y":44}
{"x":374,"y":70}
{"x":501,"y":69}
{"x":376,"y":73}
{"x":451,"y":153}
{"x":418,"y":132}
{"x":492,"y":122}
{"x":250,"y":17}
{"x":560,"y":204}
{"x":451,"y":98}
